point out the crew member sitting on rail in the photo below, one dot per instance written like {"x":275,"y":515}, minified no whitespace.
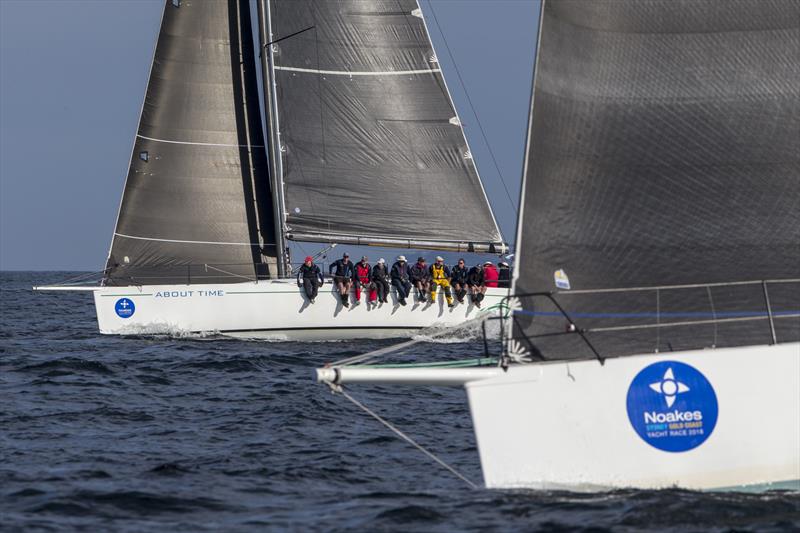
{"x":490,"y":274}
{"x":504,"y":275}
{"x":362,"y":277}
{"x":342,"y":271}
{"x":458,"y":279}
{"x":312,"y":278}
{"x":476,"y":284}
{"x":440,"y":277}
{"x":400,"y":278}
{"x":421,"y":278}
{"x":380,"y":277}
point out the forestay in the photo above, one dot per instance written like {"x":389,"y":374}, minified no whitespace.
{"x":663,"y":150}
{"x":372,"y":148}
{"x":197,"y":187}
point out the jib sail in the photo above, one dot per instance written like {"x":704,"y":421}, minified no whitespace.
{"x":662,"y":152}
{"x":196,"y":205}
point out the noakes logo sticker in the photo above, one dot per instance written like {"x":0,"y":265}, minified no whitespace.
{"x":124,"y":308}
{"x":672,"y":406}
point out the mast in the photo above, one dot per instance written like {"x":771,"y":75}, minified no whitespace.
{"x":272,"y":136}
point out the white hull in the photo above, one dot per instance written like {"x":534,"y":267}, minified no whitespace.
{"x":567,"y":424}
{"x":570,"y":425}
{"x":272,"y":309}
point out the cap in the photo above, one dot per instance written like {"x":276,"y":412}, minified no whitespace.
{"x":421,"y":259}
{"x":502,"y":263}
{"x":381,"y":260}
{"x":309,"y":258}
{"x":487,"y":263}
{"x":346,"y":255}
{"x":363,"y":257}
{"x":401,"y":258}
{"x":439,"y":258}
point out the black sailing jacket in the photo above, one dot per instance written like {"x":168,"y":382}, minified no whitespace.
{"x":380,"y":272}
{"x":459,"y":275}
{"x":343,"y":270}
{"x":419,"y":273}
{"x":401,"y":271}
{"x":475,"y":276}
{"x":309,"y":272}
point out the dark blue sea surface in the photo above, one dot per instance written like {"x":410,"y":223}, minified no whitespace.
{"x":210,"y":433}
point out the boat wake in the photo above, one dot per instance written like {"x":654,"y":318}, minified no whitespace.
{"x":463,"y":333}
{"x":167,"y":331}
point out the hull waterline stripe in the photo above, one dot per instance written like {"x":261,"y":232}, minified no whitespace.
{"x":359,"y":72}
{"x":186,"y":242}
{"x":202,"y":144}
{"x":665,"y":314}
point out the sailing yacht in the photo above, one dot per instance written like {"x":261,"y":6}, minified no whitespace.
{"x":361,"y":146}
{"x":655,"y":334}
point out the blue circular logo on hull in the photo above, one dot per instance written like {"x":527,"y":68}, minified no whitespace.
{"x":124,"y":308}
{"x":672,"y":406}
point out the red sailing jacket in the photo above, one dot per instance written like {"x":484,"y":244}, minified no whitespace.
{"x":491,"y":275}
{"x":363,"y":273}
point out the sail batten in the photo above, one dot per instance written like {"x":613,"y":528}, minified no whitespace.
{"x":662,"y":152}
{"x":368,"y":140}
{"x":395,"y":242}
{"x":196,"y":191}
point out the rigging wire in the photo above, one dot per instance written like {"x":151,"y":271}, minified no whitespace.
{"x":472,"y":108}
{"x":380,"y":352}
{"x":405,"y":437}
{"x":81,"y":277}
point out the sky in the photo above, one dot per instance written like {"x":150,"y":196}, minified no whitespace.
{"x":73,"y":74}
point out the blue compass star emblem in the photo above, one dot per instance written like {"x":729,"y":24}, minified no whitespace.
{"x":669,"y":387}
{"x":663,"y":411}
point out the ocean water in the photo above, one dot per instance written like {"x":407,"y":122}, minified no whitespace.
{"x":208,"y":433}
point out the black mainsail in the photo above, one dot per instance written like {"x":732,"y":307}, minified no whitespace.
{"x":196,"y":205}
{"x":372,"y":151}
{"x":662,"y":152}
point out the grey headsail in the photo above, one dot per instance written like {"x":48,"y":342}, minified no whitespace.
{"x":196,"y":206}
{"x":372,"y":149}
{"x":662,"y":152}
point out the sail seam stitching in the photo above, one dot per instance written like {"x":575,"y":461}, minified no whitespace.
{"x":358,"y":72}
{"x":202,"y":144}
{"x":186,"y":242}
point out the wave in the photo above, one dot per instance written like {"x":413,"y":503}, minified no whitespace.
{"x":468,"y":332}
